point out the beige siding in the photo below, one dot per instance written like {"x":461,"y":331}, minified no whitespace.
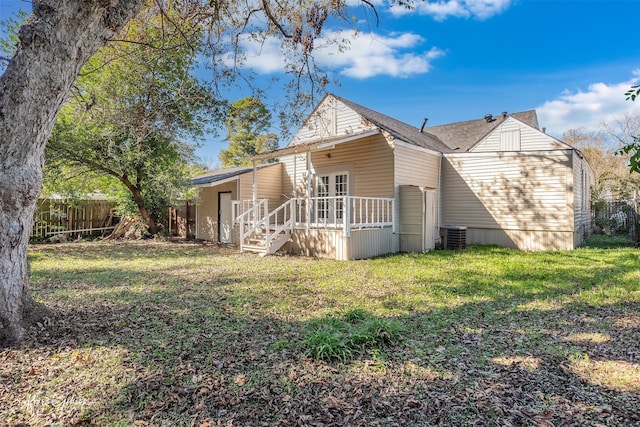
{"x":207,"y":209}
{"x":333,"y":244}
{"x":371,"y":242}
{"x":369,"y":162}
{"x":293,"y":171}
{"x":515,"y":193}
{"x":268,"y":180}
{"x":531,"y":240}
{"x":317,"y":243}
{"x":331,"y":118}
{"x":531,"y":139}
{"x":582,"y":181}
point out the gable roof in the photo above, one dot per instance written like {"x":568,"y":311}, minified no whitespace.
{"x":449,"y":138}
{"x":396,"y":128}
{"x":462,"y":136}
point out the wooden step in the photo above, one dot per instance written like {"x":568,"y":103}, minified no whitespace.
{"x":254,"y":248}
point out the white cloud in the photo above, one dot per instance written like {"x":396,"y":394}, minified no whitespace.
{"x":366,"y":54}
{"x":263,"y":57}
{"x":372,"y":55}
{"x":440,"y":10}
{"x":587,"y":109}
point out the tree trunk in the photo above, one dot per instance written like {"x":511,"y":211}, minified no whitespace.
{"x":144,"y":213}
{"x":55,"y":42}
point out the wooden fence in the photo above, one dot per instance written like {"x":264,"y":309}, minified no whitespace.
{"x":59,"y":216}
{"x":182,"y":220}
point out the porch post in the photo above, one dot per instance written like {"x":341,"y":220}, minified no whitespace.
{"x":393,"y":219}
{"x":346,"y":215}
{"x":255,"y":183}
{"x":308,"y":195}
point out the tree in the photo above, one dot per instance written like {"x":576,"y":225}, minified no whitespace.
{"x":130,"y":107}
{"x":631,"y":141}
{"x":610,"y":170}
{"x":247,"y":122}
{"x":54,"y":43}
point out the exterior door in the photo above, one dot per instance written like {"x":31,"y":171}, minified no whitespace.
{"x":225,"y":220}
{"x":328,"y":187}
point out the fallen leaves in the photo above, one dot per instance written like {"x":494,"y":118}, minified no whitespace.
{"x":151,"y":334}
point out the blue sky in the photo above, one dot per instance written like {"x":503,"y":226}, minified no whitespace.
{"x":454,"y":60}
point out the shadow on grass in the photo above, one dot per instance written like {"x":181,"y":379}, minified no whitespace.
{"x":163,"y":347}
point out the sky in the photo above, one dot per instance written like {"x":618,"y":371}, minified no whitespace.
{"x":455,"y":60}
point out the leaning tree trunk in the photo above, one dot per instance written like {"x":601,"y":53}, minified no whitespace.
{"x":54,"y":43}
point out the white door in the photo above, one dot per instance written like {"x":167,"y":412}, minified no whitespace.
{"x":225,"y":220}
{"x":328,"y":187}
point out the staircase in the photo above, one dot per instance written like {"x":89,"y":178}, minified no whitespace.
{"x":265,"y":232}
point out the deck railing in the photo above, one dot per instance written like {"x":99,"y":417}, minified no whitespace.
{"x":341,"y":212}
{"x":345,"y":212}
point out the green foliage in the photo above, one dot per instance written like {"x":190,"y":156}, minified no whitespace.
{"x":633,"y":93}
{"x":247,"y":124}
{"x":632,"y":149}
{"x":132,"y":108}
{"x":355,"y":332}
{"x":8,"y":42}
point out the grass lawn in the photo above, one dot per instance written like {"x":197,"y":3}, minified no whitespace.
{"x":159,"y":333}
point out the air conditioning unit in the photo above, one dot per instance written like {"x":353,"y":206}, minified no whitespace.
{"x":456,"y":237}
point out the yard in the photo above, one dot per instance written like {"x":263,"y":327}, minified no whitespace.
{"x":160,"y":333}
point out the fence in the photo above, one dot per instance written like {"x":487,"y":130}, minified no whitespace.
{"x":182,"y":220}
{"x":58,"y":216}
{"x":619,"y":217}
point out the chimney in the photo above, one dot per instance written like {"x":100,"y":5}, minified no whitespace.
{"x":424,"y":122}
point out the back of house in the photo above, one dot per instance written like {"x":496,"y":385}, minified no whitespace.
{"x":354,"y":183}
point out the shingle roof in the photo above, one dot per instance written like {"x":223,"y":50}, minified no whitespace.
{"x":398,"y":129}
{"x":222,"y":174}
{"x":462,"y":136}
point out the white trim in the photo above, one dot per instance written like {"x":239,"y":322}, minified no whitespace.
{"x":405,"y":144}
{"x":332,"y":144}
{"x":323,"y":143}
{"x":508,"y":153}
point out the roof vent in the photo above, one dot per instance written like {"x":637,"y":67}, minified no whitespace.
{"x":424,"y":122}
{"x":544,"y":130}
{"x":504,"y":114}
{"x":488,"y":118}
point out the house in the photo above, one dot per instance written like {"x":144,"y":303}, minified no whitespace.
{"x":354,"y":183}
